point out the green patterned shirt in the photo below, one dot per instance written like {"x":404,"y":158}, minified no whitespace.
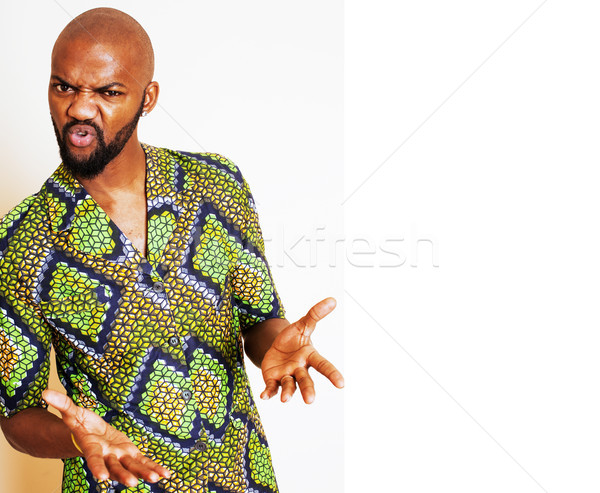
{"x":152,"y":344}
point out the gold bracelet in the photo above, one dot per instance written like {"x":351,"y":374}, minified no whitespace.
{"x":75,"y":443}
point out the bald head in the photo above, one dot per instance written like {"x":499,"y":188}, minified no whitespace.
{"x":100,"y":85}
{"x":120,"y":36}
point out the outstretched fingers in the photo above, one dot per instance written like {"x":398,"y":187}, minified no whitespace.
{"x":306,"y":384}
{"x":109,"y":454}
{"x":96,"y":463}
{"x":162,"y":471}
{"x":316,"y":313}
{"x":271,"y":388}
{"x":64,"y":404}
{"x":127,"y":469}
{"x":58,"y":400}
{"x":145,"y":468}
{"x":120,"y":473}
{"x":326,"y":368}
{"x":288,"y":387}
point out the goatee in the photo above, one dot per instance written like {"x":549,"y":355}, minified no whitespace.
{"x":103,"y":154}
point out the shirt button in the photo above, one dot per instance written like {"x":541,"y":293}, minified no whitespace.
{"x":200,"y":446}
{"x":174,"y":341}
{"x":158,"y":287}
{"x":187,"y":395}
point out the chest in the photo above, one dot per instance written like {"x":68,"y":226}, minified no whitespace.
{"x":129,"y":214}
{"x":99,"y":292}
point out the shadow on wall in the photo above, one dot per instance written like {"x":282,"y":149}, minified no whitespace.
{"x":24,"y":474}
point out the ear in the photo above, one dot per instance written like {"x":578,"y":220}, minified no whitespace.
{"x":151,"y":97}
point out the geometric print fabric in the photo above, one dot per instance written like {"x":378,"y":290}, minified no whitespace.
{"x":152,"y":344}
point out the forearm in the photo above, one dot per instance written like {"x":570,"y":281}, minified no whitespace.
{"x":38,"y":432}
{"x":258,"y":339}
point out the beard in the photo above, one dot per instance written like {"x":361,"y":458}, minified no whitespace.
{"x":104,"y":153}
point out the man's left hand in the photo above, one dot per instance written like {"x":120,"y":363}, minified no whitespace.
{"x":287,"y":361}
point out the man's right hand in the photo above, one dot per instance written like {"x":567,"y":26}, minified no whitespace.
{"x":109,"y":453}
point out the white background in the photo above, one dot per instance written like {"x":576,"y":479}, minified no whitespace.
{"x":261,"y":83}
{"x":503,"y":180}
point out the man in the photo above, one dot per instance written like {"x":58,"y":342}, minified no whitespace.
{"x":145,"y":269}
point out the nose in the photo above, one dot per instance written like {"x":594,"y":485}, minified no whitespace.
{"x":82,"y":106}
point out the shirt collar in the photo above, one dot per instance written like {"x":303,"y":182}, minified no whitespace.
{"x":63,"y":192}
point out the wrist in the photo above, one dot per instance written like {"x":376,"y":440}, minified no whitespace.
{"x":259,"y":338}
{"x":76,"y":444}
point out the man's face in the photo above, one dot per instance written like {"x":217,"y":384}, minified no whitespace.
{"x":95,"y":104}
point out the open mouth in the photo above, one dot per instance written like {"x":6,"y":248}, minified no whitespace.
{"x":81,"y":135}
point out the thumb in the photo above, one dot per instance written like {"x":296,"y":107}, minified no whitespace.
{"x":316,"y":313}
{"x":60,"y":401}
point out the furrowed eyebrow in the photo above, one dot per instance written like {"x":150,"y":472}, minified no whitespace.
{"x":106,"y":87}
{"x":61,"y":80}
{"x":109,"y":86}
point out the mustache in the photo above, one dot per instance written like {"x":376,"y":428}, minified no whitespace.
{"x":90,"y":123}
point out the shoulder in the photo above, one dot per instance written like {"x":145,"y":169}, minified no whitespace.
{"x":213,"y":160}
{"x":201,"y":164}
{"x":26,"y":216}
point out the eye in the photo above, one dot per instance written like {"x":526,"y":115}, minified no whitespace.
{"x":112,"y":94}
{"x":62,"y":87}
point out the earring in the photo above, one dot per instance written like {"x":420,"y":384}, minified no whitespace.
{"x":145,"y":113}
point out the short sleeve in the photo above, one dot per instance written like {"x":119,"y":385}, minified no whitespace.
{"x":254,"y":292}
{"x":25,"y":337}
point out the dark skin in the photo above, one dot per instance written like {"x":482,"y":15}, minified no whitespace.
{"x":93,"y":83}
{"x":102,"y":74}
